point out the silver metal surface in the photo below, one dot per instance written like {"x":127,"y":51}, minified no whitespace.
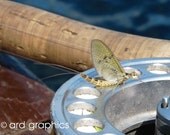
{"x":162,"y":123}
{"x":85,"y":109}
{"x":165,"y":102}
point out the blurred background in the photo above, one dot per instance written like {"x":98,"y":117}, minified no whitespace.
{"x":147,"y":18}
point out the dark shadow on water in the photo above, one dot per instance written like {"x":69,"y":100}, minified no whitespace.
{"x":146,"y":128}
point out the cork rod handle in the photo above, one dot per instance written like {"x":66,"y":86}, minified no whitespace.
{"x":50,"y":38}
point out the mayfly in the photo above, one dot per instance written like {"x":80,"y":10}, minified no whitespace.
{"x":107,"y":66}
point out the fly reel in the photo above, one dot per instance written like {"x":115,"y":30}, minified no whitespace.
{"x":82,"y":108}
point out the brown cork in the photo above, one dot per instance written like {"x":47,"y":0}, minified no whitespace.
{"x":50,"y":38}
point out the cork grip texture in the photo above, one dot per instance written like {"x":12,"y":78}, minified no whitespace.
{"x":50,"y":38}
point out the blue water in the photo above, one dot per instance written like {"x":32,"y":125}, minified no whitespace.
{"x":149,"y":18}
{"x":52,"y":76}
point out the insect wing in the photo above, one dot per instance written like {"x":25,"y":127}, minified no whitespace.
{"x":104,"y":60}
